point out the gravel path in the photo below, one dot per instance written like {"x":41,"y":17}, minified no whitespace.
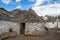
{"x":51,"y":35}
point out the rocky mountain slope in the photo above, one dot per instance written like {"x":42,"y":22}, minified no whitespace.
{"x":19,"y":15}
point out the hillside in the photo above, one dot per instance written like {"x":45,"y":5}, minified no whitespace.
{"x":20,"y":15}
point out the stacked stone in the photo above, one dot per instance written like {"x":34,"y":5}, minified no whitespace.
{"x":35,"y":29}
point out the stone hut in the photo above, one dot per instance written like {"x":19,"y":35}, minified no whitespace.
{"x":30,"y":22}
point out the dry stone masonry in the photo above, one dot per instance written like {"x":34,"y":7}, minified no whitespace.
{"x":6,"y":25}
{"x":34,"y":29}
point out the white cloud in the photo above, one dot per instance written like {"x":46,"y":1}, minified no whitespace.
{"x":6,"y":1}
{"x":38,"y":2}
{"x":31,"y":0}
{"x":47,"y":10}
{"x":51,"y":9}
{"x":18,"y":7}
{"x":18,"y":0}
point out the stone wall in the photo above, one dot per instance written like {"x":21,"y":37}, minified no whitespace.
{"x":30,"y":28}
{"x":6,"y":25}
{"x":52,"y":25}
{"x":34,"y":29}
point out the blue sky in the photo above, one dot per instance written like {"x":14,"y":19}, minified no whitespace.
{"x":24,"y":4}
{"x":41,"y":7}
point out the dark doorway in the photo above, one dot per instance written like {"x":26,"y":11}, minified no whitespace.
{"x":22,"y":28}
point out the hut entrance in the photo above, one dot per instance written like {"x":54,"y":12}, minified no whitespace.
{"x":22,"y":28}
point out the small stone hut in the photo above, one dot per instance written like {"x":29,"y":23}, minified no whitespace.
{"x":30,"y":22}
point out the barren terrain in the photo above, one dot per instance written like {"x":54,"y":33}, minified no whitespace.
{"x":51,"y":35}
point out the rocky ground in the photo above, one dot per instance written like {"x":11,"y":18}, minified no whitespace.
{"x":51,"y":35}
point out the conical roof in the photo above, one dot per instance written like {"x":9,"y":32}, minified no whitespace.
{"x":26,"y":16}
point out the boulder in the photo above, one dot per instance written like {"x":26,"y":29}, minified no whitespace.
{"x":8,"y":35}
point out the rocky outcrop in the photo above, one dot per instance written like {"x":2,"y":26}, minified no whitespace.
{"x":19,"y":15}
{"x":5,"y":15}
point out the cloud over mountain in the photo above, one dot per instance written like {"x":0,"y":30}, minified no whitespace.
{"x":18,"y":7}
{"x":49,"y":8}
